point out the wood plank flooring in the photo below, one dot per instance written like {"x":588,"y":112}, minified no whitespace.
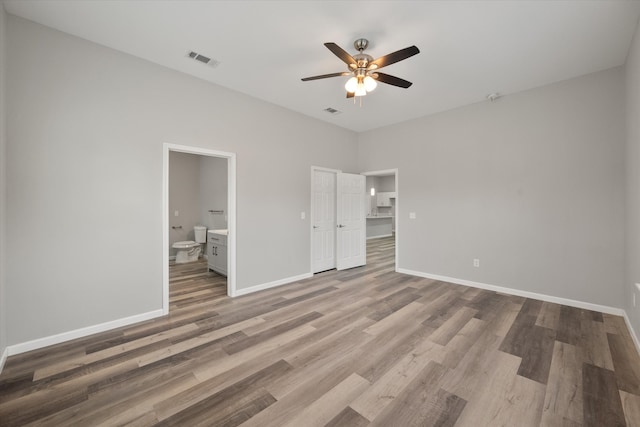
{"x":362,"y":347}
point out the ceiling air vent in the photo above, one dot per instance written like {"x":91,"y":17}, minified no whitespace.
{"x":332,"y":110}
{"x":204,"y":59}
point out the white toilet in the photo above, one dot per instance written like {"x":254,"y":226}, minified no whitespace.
{"x":188,"y":250}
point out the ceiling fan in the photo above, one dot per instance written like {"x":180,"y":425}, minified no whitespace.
{"x":363,"y":69}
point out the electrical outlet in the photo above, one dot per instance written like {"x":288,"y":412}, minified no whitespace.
{"x":476,"y":262}
{"x":303,"y":215}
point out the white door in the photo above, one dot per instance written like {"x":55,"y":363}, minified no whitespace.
{"x":351,"y":248}
{"x":324,"y":220}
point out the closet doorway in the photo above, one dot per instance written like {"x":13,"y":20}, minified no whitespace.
{"x":230,"y":215}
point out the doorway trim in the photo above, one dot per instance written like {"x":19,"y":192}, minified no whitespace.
{"x":231,"y":219}
{"x":386,"y":172}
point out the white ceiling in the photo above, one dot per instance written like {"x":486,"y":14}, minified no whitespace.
{"x":468,"y":48}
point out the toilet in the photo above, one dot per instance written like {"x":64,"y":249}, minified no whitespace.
{"x":188,"y":250}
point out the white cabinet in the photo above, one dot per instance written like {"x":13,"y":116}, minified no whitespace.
{"x":384,"y":198}
{"x":217,"y":252}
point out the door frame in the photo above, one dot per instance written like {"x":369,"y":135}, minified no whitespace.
{"x":386,"y":172}
{"x":311,"y":216}
{"x":231,"y":214}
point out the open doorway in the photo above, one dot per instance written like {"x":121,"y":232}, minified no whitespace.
{"x":382,"y":206}
{"x":195,"y":196}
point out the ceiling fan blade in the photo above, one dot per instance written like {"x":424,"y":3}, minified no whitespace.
{"x":391,"y":80}
{"x":350,"y":94}
{"x":394,"y":57}
{"x":326,"y":76}
{"x":342,"y":54}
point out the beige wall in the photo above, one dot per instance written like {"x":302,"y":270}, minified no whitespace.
{"x":532,"y":185}
{"x":633,"y":183}
{"x":85,"y":138}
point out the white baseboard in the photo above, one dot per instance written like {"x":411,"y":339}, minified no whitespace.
{"x":79,"y":333}
{"x":270,"y":285}
{"x":379,"y":237}
{"x":634,"y":335}
{"x":549,"y":298}
{"x":3,"y":357}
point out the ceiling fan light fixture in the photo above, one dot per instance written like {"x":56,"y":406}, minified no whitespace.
{"x":352,"y":85}
{"x":363,"y":69}
{"x":370,"y":83}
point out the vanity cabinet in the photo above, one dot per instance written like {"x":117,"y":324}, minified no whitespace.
{"x":217,"y":253}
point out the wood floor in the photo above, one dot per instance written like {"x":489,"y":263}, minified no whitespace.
{"x":362,"y":347}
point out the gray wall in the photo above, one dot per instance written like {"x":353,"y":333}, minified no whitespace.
{"x":532,"y":185}
{"x":86,"y":127}
{"x":387,"y":183}
{"x":213,"y":192}
{"x":184,"y":197}
{"x":633,"y":181}
{"x":3,"y":216}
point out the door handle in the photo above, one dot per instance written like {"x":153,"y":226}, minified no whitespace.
{"x":341,"y":226}
{"x":315,"y":226}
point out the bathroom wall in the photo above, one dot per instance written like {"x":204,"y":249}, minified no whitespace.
{"x":387,"y":183}
{"x":371,"y":182}
{"x":197,"y":184}
{"x":184,"y":197}
{"x":213,"y":192}
{"x":85,"y":132}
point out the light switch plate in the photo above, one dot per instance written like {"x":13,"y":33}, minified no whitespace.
{"x":412,"y":215}
{"x":303,"y":215}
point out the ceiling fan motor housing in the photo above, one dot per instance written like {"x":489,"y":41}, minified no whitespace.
{"x":362,"y":61}
{"x":361,"y":44}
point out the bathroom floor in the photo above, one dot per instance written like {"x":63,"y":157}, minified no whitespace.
{"x":192,"y":283}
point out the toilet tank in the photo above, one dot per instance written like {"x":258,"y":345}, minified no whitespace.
{"x":200,"y":232}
